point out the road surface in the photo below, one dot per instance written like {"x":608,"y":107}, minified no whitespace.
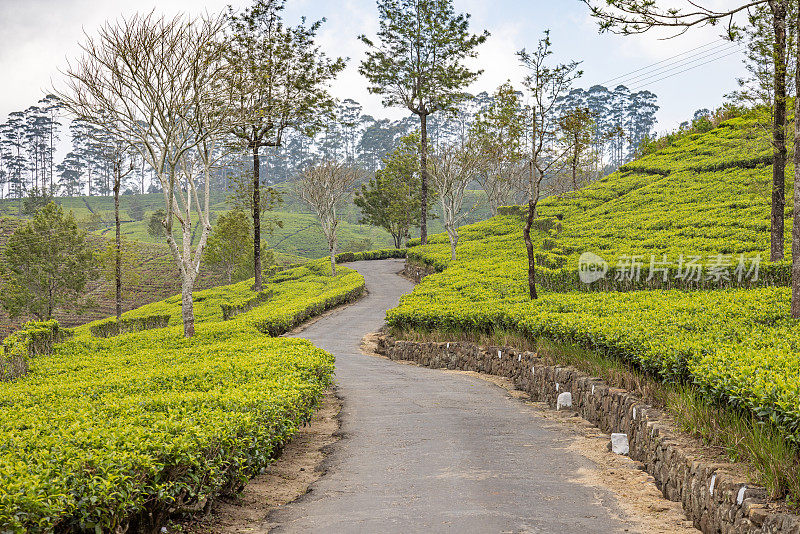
{"x":428,"y":451}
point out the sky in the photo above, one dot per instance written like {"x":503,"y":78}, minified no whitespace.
{"x":38,"y":37}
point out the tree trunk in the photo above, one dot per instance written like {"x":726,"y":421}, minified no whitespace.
{"x":117,"y":242}
{"x":332,"y":248}
{"x":187,"y":306}
{"x":423,"y":162}
{"x":778,"y":131}
{"x":796,"y":209}
{"x":257,"y":286}
{"x":526,"y":234}
{"x":453,"y":243}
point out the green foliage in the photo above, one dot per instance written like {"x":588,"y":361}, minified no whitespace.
{"x":346,"y":257}
{"x":230,"y":243}
{"x":155,"y":226}
{"x":705,"y":194}
{"x":47,"y":264}
{"x":417,"y":60}
{"x":391,"y":199}
{"x":36,"y":200}
{"x":18,"y":349}
{"x":110,"y":434}
{"x":136,"y":210}
{"x":112,"y":327}
{"x":229,"y":311}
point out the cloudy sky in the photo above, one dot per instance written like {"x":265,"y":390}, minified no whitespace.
{"x":38,"y":36}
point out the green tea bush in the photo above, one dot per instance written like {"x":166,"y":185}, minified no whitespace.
{"x":231,"y":310}
{"x":704,"y":194}
{"x":33,"y":339}
{"x":112,"y":327}
{"x":112,"y":434}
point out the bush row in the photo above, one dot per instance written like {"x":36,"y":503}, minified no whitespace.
{"x":33,"y":339}
{"x":115,"y":434}
{"x":229,"y":311}
{"x":384,"y":254}
{"x":739,"y":346}
{"x":112,"y":327}
{"x":277,"y":320}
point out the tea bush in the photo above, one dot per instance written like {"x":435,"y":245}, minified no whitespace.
{"x":111,"y":434}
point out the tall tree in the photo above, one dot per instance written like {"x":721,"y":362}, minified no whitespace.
{"x":417,"y":62}
{"x":48,"y":263}
{"x":70,"y":171}
{"x":576,"y":128}
{"x":157,"y":82}
{"x":769,"y":36}
{"x":278,"y":80}
{"x":546,"y":84}
{"x":229,"y":243}
{"x":390,"y":200}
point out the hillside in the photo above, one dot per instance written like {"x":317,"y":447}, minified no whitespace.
{"x":706,"y":195}
{"x":156,"y":276}
{"x":113,"y":434}
{"x":300,"y":238}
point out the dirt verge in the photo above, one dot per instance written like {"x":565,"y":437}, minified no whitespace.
{"x":300,"y":464}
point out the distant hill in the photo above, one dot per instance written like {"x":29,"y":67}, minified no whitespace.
{"x":158,"y":279}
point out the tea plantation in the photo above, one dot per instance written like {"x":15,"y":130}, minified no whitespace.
{"x":111,"y":434}
{"x":706,"y":195}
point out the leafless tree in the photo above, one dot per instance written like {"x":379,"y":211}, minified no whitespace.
{"x":453,"y":168}
{"x":545,"y":85}
{"x":322,"y":187}
{"x":156,"y":82}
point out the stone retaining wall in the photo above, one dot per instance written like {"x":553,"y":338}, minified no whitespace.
{"x":715,"y":499}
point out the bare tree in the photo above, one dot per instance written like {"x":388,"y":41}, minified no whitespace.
{"x":322,"y":187}
{"x":156,"y":82}
{"x":545,"y":86}
{"x":452,"y":169}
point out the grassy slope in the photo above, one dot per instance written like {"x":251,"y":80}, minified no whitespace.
{"x":737,"y":345}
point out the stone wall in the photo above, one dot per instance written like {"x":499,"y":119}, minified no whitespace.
{"x":713,"y":497}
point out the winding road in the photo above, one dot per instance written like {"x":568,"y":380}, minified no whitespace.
{"x":430,"y":451}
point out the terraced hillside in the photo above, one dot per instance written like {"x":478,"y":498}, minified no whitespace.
{"x":299,"y":239}
{"x":707,"y":195}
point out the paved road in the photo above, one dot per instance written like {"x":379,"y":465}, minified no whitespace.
{"x":427,"y":451}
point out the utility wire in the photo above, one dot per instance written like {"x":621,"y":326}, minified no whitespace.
{"x":685,"y":70}
{"x":679,"y":64}
{"x":717,"y":42}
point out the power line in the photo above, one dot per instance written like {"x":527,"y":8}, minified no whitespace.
{"x":665,"y":60}
{"x":706,"y":54}
{"x":688,"y":65}
{"x":685,"y":70}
